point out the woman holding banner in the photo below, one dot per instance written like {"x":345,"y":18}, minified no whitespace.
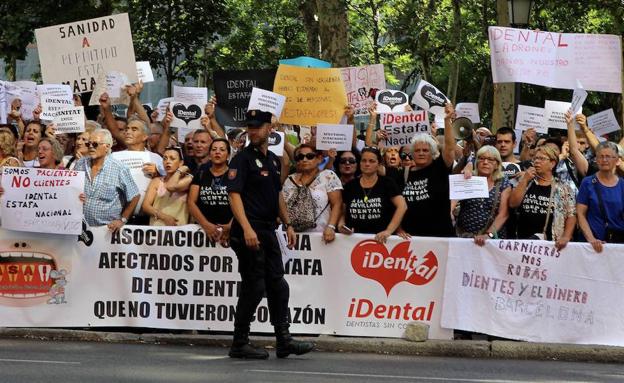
{"x":545,"y":206}
{"x":483,"y":218}
{"x":600,"y":202}
{"x":372,"y":203}
{"x":165,"y":198}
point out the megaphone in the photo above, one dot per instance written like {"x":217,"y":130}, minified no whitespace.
{"x":462,"y":128}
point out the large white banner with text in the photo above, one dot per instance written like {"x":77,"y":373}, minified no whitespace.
{"x":529,"y":290}
{"x":556,"y":60}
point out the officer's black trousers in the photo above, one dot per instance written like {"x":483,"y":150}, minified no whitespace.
{"x":261,"y":271}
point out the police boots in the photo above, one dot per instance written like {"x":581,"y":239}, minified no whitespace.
{"x":242,"y":349}
{"x":286,"y":345}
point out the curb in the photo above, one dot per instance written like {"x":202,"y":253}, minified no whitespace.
{"x":327,"y":343}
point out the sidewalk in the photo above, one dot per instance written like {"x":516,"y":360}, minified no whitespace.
{"x":328,"y":343}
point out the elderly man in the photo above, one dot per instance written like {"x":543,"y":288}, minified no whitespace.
{"x":111,"y":194}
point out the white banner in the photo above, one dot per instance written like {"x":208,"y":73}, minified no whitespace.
{"x":54,"y":97}
{"x":556,"y":60}
{"x":360,"y":83}
{"x":76,"y":53}
{"x":165,"y":277}
{"x":528,"y":290}
{"x":401,"y":127}
{"x":42,"y":200}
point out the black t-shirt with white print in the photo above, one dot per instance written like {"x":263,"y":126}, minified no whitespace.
{"x":369,"y":210}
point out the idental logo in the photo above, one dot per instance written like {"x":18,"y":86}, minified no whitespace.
{"x":370,"y":259}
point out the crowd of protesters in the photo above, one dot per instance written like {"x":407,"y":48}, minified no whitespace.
{"x":561,"y":187}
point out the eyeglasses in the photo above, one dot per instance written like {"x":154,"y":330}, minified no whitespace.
{"x":605,"y":158}
{"x":307,"y":156}
{"x":177,"y":149}
{"x":91,"y":144}
{"x":541,"y":158}
{"x":488,"y":159}
{"x":405,"y":156}
{"x":347,"y":161}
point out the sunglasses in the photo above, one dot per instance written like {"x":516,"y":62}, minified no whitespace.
{"x":345,"y":161}
{"x":91,"y":144}
{"x":405,"y":156}
{"x":177,"y":149}
{"x":307,"y":156}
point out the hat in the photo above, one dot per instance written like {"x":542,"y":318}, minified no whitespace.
{"x":256,"y":118}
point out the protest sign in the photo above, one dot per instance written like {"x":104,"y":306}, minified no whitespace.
{"x":470,"y":110}
{"x":162,"y":106}
{"x":114,"y":84}
{"x":144,"y":71}
{"x":334,"y":136}
{"x":554,"y":115}
{"x":304,"y":61}
{"x":429,"y":98}
{"x":556,"y":60}
{"x":54,"y":97}
{"x":191,"y":95}
{"x":529,"y":290}
{"x":578,"y":98}
{"x":464,"y":188}
{"x":530,"y":117}
{"x":76,"y":53}
{"x":313,"y":96}
{"x":186,"y":117}
{"x":134,"y":161}
{"x":26,"y":92}
{"x":70,"y":120}
{"x":401,"y":127}
{"x":266,"y":101}
{"x":603,"y":122}
{"x":42,"y":200}
{"x":389,"y":100}
{"x":361,"y":84}
{"x":233,"y":91}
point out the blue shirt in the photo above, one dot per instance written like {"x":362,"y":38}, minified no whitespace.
{"x":613,"y":200}
{"x":108,"y":192}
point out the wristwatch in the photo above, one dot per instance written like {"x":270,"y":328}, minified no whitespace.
{"x":124,"y":220}
{"x":491,"y":235}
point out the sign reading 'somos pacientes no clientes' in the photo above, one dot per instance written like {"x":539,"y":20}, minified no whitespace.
{"x":42,"y":200}
{"x":76,"y":53}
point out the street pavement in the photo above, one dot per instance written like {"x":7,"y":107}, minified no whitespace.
{"x":33,"y":361}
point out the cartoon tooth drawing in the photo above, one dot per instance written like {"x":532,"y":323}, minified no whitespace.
{"x":57,"y":292}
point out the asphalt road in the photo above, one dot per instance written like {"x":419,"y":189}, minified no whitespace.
{"x":84,"y":362}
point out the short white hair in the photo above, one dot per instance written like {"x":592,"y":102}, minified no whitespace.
{"x":420,"y":138}
{"x":107,"y":137}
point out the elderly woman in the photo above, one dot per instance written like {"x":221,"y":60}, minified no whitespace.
{"x":165,"y":198}
{"x":373,"y":204}
{"x":324,"y":188}
{"x":545,"y":206}
{"x":49,"y":153}
{"x":483,"y":218}
{"x":600,"y":202}
{"x":426,"y":189}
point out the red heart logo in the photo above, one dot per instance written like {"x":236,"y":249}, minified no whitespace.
{"x":370,"y":259}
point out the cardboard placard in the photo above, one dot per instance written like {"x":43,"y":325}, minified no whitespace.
{"x":603,"y":123}
{"x":76,"y":53}
{"x":470,"y":110}
{"x":389,"y":100}
{"x":554,"y":115}
{"x":401,"y":127}
{"x":162,"y":106}
{"x":313,"y":96}
{"x":54,"y":97}
{"x":144,"y":71}
{"x":305,"y":61}
{"x":266,"y":101}
{"x":361,"y":84}
{"x":530,"y":117}
{"x":429,"y":98}
{"x":334,"y":136}
{"x":70,"y":120}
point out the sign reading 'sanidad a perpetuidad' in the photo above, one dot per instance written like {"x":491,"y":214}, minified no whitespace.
{"x":75,"y":53}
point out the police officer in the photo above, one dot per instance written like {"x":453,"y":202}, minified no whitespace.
{"x":256,"y":200}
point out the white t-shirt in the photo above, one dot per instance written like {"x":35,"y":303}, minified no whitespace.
{"x":325,"y":182}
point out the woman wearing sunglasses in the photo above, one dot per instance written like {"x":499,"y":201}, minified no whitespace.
{"x":165,"y":198}
{"x":313,"y":197}
{"x":347,"y":166}
{"x":373,"y":204}
{"x":545,"y":206}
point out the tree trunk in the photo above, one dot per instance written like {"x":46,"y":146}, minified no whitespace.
{"x":485,"y":87}
{"x":11,"y":69}
{"x":503,"y":113}
{"x":455,"y":42}
{"x":308,"y":10}
{"x":333,"y":30}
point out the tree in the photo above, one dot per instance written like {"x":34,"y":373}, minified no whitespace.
{"x":173,"y":34}
{"x":333,"y":31}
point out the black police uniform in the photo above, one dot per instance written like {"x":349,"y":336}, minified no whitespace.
{"x":256,"y":177}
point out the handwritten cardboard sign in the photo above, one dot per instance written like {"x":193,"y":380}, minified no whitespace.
{"x":42,"y":200}
{"x":556,"y":60}
{"x":334,"y":136}
{"x":313,"y":96}
{"x":361,"y":84}
{"x":401,"y":127}
{"x":75,"y":53}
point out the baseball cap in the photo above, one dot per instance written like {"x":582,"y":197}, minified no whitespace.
{"x":256,"y":118}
